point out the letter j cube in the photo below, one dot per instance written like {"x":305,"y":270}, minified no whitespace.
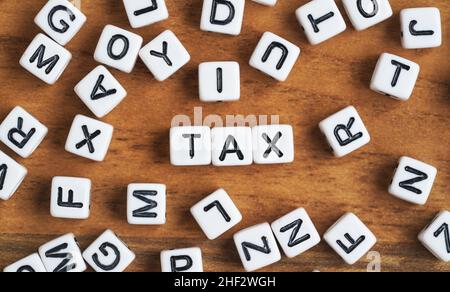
{"x":345,"y":131}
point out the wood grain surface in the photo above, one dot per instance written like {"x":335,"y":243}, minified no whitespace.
{"x":326,"y":78}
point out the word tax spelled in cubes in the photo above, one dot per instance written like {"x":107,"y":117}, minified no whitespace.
{"x":30,"y":264}
{"x":222,"y":16}
{"x":146,"y":204}
{"x":257,"y":247}
{"x":108,"y":253}
{"x":11,"y":176}
{"x":182,"y":260}
{"x":89,"y":138}
{"x":345,"y":131}
{"x":350,"y":238}
{"x":395,"y":76}
{"x":145,"y":12}
{"x":413,"y":181}
{"x":216,"y":214}
{"x":61,"y":20}
{"x":436,"y":236}
{"x":100,"y":91}
{"x":22,"y":132}
{"x":421,"y":28}
{"x":321,"y":20}
{"x":62,"y":255}
{"x":118,"y":48}
{"x":70,"y":198}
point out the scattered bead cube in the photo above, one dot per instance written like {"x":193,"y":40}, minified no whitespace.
{"x":273,"y":144}
{"x":321,"y":20}
{"x":190,"y":146}
{"x":164,"y":55}
{"x":413,"y":181}
{"x":219,"y":81}
{"x":182,"y":260}
{"x":231,"y":146}
{"x":11,"y":176}
{"x":366,"y":13}
{"x":275,"y":56}
{"x":30,"y":264}
{"x":350,"y":238}
{"x":216,"y":214}
{"x":146,"y":204}
{"x":71,"y":197}
{"x":295,"y":233}
{"x":345,"y":131}
{"x":257,"y":247}
{"x":62,"y":255}
{"x":61,"y":20}
{"x":266,"y":2}
{"x":100,"y":91}
{"x":89,"y":138}
{"x":436,"y":236}
{"x":421,"y":28}
{"x":395,"y":76}
{"x":145,"y":12}
{"x":22,"y":132}
{"x":118,"y":48}
{"x":108,"y":253}
{"x":223,"y":16}
{"x":45,"y":59}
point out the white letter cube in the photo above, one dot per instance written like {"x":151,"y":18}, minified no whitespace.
{"x":62,"y":255}
{"x":30,"y":264}
{"x":108,"y":253}
{"x":436,"y":236}
{"x":295,"y":233}
{"x":190,"y":146}
{"x":232,"y":146}
{"x":366,"y":13}
{"x":145,"y":12}
{"x":12,"y":175}
{"x":146,"y":204}
{"x":421,"y":28}
{"x":100,"y":91}
{"x":89,"y":138}
{"x":182,"y":260}
{"x":273,"y":144}
{"x":395,"y":76}
{"x":345,"y":131}
{"x":257,"y":247}
{"x":275,"y":56}
{"x":71,"y":197}
{"x":164,"y":55}
{"x":216,"y":214}
{"x":413,"y":181}
{"x":350,"y":238}
{"x":45,"y":59}
{"x":219,"y":81}
{"x":223,"y":16}
{"x":61,"y":20}
{"x":22,"y":132}
{"x":118,"y":48}
{"x":321,"y":20}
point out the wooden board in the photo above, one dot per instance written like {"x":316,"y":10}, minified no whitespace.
{"x":326,"y":78}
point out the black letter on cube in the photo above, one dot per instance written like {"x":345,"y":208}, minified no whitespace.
{"x":365,"y":13}
{"x":296,"y":225}
{"x":264,"y":249}
{"x":103,"y":249}
{"x":191,"y":138}
{"x":230,"y":17}
{"x":143,"y":212}
{"x":316,"y":22}
{"x":175,"y":259}
{"x":444,"y":228}
{"x":54,"y":253}
{"x":269,"y":50}
{"x":3,"y":171}
{"x":415,"y":32}
{"x":219,"y":207}
{"x":65,"y":25}
{"x":99,"y":87}
{"x":24,"y":136}
{"x":69,"y":203}
{"x":350,"y":137}
{"x":126,"y":46}
{"x":399,"y":66}
{"x":151,"y":8}
{"x":163,"y":55}
{"x":41,"y":63}
{"x":354,"y":244}
{"x":407,"y":184}
{"x":226,"y":149}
